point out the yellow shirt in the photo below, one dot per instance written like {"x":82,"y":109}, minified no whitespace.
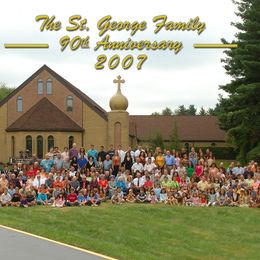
{"x":160,"y":160}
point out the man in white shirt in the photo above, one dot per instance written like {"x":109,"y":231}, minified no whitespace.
{"x":121,"y":154}
{"x":238,"y":170}
{"x":137,"y":166}
{"x":38,"y":181}
{"x":138,"y":151}
{"x":65,"y":153}
{"x":5,"y":198}
{"x":150,"y":166}
{"x":72,"y":172}
{"x":138,"y":182}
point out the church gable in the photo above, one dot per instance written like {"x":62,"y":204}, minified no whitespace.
{"x":44,"y":116}
{"x":47,"y":83}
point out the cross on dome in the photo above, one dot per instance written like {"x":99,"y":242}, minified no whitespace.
{"x":119,"y":81}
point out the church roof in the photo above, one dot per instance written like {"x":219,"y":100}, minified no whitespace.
{"x":190,"y":128}
{"x":87,"y":100}
{"x":44,"y":116}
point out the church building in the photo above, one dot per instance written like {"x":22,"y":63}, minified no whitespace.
{"x":46,"y":111}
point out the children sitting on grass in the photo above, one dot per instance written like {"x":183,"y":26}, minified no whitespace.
{"x":194,"y":179}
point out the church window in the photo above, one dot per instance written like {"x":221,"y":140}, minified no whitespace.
{"x":50,"y":142}
{"x":117,"y":134}
{"x":40,"y":146}
{"x":19,"y":104}
{"x":28,"y":146}
{"x":69,"y":103}
{"x":40,"y":87}
{"x":49,"y":87}
{"x":71,"y":141}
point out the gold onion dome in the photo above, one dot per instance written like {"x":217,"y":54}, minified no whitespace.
{"x":118,"y":101}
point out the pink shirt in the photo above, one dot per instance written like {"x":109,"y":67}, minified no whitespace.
{"x":199,"y":170}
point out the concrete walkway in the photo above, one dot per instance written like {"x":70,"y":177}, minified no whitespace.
{"x":15,"y":245}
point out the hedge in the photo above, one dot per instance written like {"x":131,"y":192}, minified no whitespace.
{"x":222,"y":153}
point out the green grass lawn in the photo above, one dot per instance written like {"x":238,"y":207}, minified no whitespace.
{"x":146,"y":231}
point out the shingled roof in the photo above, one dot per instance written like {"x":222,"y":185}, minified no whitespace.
{"x":87,"y":100}
{"x":190,"y":128}
{"x":44,"y":116}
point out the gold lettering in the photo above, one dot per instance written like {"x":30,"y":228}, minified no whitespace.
{"x":48,"y":23}
{"x":104,"y":25}
{"x":74,"y":23}
{"x":161,"y":24}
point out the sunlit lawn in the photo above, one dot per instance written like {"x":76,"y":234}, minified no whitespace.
{"x":146,"y":231}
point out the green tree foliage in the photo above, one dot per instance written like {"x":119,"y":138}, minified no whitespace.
{"x":175,"y":139}
{"x":157,"y":140}
{"x":192,"y":110}
{"x":181,"y":111}
{"x":156,"y":114}
{"x":4,"y":90}
{"x":202,"y":112}
{"x":239,"y":112}
{"x":167,"y":112}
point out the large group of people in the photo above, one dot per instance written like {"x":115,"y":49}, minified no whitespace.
{"x":80,"y":177}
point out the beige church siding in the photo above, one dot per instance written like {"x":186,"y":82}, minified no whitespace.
{"x":58,"y":97}
{"x":3,"y":144}
{"x":95,"y":128}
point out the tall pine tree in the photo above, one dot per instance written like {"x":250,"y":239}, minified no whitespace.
{"x":239,"y":112}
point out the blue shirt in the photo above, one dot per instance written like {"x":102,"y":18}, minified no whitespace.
{"x":107,"y":164}
{"x":157,"y":192}
{"x":82,"y":162}
{"x":169,"y":160}
{"x":42,"y":196}
{"x":121,"y":184}
{"x":96,"y":197}
{"x":47,"y":164}
{"x":94,"y":154}
{"x":81,"y":198}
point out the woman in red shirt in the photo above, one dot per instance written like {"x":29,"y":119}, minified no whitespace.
{"x":102,"y":183}
{"x":148,"y":185}
{"x":31,"y":172}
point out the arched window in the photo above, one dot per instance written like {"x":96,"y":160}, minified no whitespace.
{"x":49,"y":87}
{"x":40,"y":87}
{"x":117,"y":134}
{"x":50,"y":142}
{"x":28,"y":142}
{"x":19,"y":104}
{"x":69,"y":103}
{"x":71,"y":141}
{"x":40,"y":146}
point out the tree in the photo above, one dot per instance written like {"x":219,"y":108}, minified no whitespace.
{"x":181,"y":111}
{"x":191,"y":111}
{"x":239,"y":111}
{"x":211,"y":112}
{"x":155,"y":114}
{"x":4,"y":90}
{"x":175,"y":139}
{"x":157,"y":141}
{"x":202,"y":112}
{"x":167,"y":112}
